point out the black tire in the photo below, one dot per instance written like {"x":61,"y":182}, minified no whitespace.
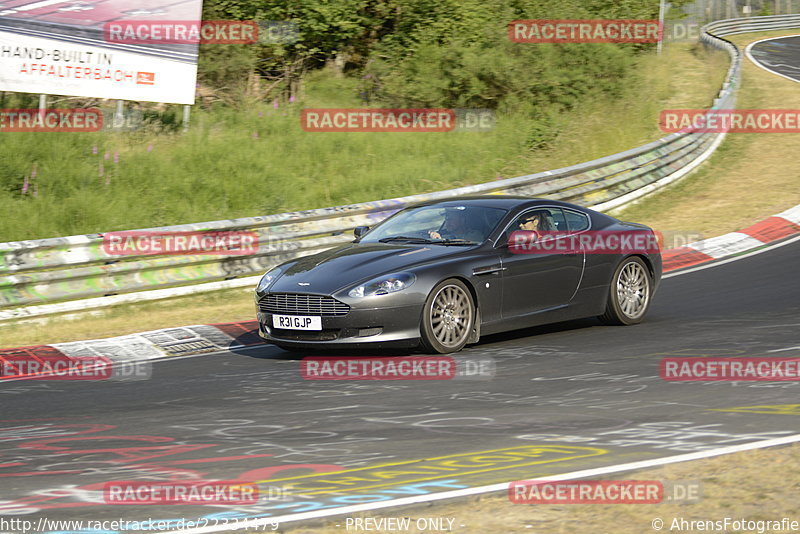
{"x":629,"y":293}
{"x":447,"y":317}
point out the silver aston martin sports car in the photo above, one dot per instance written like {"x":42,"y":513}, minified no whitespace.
{"x":443,"y":273}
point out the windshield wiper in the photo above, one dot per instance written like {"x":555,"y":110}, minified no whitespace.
{"x":406,"y":238}
{"x":461,"y":242}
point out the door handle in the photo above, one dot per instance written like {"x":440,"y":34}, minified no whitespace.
{"x":489,"y":269}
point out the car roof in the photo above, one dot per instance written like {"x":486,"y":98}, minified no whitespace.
{"x":495,"y":201}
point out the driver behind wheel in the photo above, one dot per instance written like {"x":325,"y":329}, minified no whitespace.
{"x":456,"y":226}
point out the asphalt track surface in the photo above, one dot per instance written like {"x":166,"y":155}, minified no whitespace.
{"x":781,"y":56}
{"x":565,"y":397}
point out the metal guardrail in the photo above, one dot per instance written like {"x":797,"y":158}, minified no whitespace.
{"x":77,"y":267}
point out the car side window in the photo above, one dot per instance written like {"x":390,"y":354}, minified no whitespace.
{"x":548,"y":221}
{"x":576,"y":222}
{"x":557,"y":219}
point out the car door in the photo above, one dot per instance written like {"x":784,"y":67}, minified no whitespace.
{"x":538,"y":281}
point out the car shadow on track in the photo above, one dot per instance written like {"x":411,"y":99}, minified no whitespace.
{"x":267,"y":351}
{"x":542,"y":330}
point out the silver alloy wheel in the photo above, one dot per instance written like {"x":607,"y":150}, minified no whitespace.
{"x":633,"y":290}
{"x":450,"y":316}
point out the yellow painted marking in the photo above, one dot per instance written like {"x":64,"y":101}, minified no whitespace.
{"x":771,"y":409}
{"x":455,"y":465}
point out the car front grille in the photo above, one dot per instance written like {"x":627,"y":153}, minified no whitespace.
{"x":298,"y":304}
{"x":299,"y":335}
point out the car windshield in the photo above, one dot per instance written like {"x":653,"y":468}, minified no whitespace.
{"x":456,"y":224}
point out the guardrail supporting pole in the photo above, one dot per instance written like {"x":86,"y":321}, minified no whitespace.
{"x":186,"y":110}
{"x":42,"y":106}
{"x":118,"y":118}
{"x":662,"y":8}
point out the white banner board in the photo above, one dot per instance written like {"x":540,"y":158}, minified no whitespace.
{"x":60,"y":47}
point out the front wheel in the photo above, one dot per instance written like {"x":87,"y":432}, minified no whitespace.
{"x":447,"y":317}
{"x":629,"y":293}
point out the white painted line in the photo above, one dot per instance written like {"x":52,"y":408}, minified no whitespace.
{"x":758,"y":64}
{"x":503,"y":486}
{"x":785,"y":349}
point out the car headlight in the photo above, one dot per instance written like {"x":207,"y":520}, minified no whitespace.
{"x":383,"y":285}
{"x":268,"y":278}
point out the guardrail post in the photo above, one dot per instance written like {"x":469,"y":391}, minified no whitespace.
{"x":186,"y":110}
{"x":118,"y":118}
{"x":42,"y":105}
{"x":662,"y":9}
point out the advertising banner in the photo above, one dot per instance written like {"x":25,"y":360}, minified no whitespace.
{"x":63,"y":48}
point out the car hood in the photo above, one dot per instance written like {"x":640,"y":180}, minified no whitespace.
{"x":345,"y":266}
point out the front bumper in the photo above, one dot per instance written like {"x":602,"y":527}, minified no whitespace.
{"x":389,"y":326}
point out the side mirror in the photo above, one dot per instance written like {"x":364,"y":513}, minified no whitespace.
{"x":360,"y":230}
{"x":522,"y":241}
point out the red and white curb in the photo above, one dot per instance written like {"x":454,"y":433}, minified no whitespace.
{"x":166,"y":343}
{"x":775,"y":228}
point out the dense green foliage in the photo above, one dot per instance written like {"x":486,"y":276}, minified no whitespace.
{"x":429,"y":52}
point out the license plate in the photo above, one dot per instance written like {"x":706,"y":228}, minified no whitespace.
{"x":297,"y":322}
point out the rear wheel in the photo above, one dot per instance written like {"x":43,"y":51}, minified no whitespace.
{"x":447,"y":317}
{"x":629,"y":293}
